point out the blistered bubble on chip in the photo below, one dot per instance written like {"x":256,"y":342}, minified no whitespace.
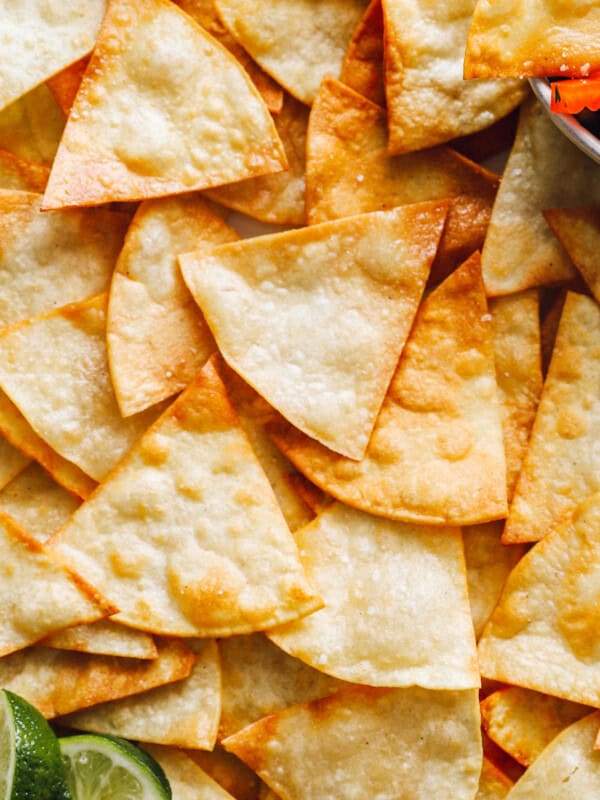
{"x":578,"y":230}
{"x":104,"y":637}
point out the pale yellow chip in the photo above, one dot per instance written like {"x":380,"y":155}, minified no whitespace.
{"x":12,"y":462}
{"x":258,"y":679}
{"x":163,"y":108}
{"x":365,"y":742}
{"x":275,"y":198}
{"x":229,"y":772}
{"x":54,"y":368}
{"x":104,"y":637}
{"x":157,"y":339}
{"x":59,"y":682}
{"x":396,"y":603}
{"x":493,"y":783}
{"x":181,"y":714}
{"x":520,"y":250}
{"x":533,"y":37}
{"x":298,"y":42}
{"x":517,"y":351}
{"x":18,"y":173}
{"x":428,"y":101}
{"x":562,"y":464}
{"x":578,"y":230}
{"x":49,"y":260}
{"x":32,"y":126}
{"x":523,"y":722}
{"x":188,"y":781}
{"x":326,"y":371}
{"x":543,"y":632}
{"x":187,"y":532}
{"x":362,"y":69}
{"x":436,"y":454}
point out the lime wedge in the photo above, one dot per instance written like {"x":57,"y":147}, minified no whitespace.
{"x":31,"y":766}
{"x":107,"y":768}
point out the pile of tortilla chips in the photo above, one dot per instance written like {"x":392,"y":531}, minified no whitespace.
{"x":266,"y":500}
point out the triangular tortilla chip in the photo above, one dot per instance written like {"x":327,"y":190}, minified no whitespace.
{"x":520,"y":250}
{"x":207,"y":550}
{"x":58,"y":682}
{"x":229,"y":772}
{"x":157,"y":339}
{"x":561,"y":466}
{"x":523,"y":722}
{"x":17,"y":173}
{"x":182,"y":714}
{"x":349,"y":172}
{"x":362,"y":279}
{"x":42,"y":37}
{"x":298,"y":42}
{"x":49,"y":260}
{"x":507,"y":40}
{"x":371,"y":631}
{"x":160,"y":114}
{"x":493,"y":784}
{"x":436,"y":454}
{"x":428,"y":101}
{"x":104,"y":637}
{"x":342,"y":746}
{"x":362,"y":69}
{"x":65,"y":84}
{"x":543,"y":632}
{"x":12,"y":462}
{"x":54,"y":368}
{"x":568,"y":769}
{"x":578,"y":230}
{"x":188,"y":781}
{"x":32,"y":126}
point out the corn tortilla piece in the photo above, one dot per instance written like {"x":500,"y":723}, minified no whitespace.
{"x":12,"y":462}
{"x":159,"y":115}
{"x":578,"y":230}
{"x":104,"y":637}
{"x":58,"y":682}
{"x":188,"y":781}
{"x":343,"y":746}
{"x":524,"y":722}
{"x":493,"y":783}
{"x":362,"y":68}
{"x":488,"y":565}
{"x":517,"y":350}
{"x":76,"y":413}
{"x":20,"y":174}
{"x":32,"y":126}
{"x":229,"y":772}
{"x":504,"y":39}
{"x":568,"y":769}
{"x":258,"y":679}
{"x":560,"y":468}
{"x":396,"y":603}
{"x":181,"y":714}
{"x":157,"y":339}
{"x":65,"y":84}
{"x":234,"y":571}
{"x":428,"y":101}
{"x":349,"y":172}
{"x":436,"y":454}
{"x":49,"y":260}
{"x":363,"y":279}
{"x":550,"y":321}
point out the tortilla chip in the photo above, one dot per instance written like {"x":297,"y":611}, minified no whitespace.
{"x":343,"y":746}
{"x":517,"y":349}
{"x":275,"y":198}
{"x":49,"y":260}
{"x":490,"y":142}
{"x":191,"y":479}
{"x":543,"y":632}
{"x":32,"y":126}
{"x":362,"y":69}
{"x":428,"y":101}
{"x":159,"y":115}
{"x":17,"y":173}
{"x":523,"y":722}
{"x":229,"y":772}
{"x":520,"y":250}
{"x":188,"y":781}
{"x":157,"y":339}
{"x":363,"y":279}
{"x":65,"y":84}
{"x":578,"y":230}
{"x":259,"y":679}
{"x":298,"y":42}
{"x":58,"y":682}
{"x":349,"y":172}
{"x":182,"y":714}
{"x":436,"y":454}
{"x":505,"y":41}
{"x":561,"y":466}
{"x":550,"y":323}
{"x":105,"y":638}
{"x":12,"y":462}
{"x":396,"y":604}
{"x":568,"y":769}
{"x":493,"y":784}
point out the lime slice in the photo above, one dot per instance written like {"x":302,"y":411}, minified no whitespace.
{"x":107,"y":768}
{"x":31,"y":766}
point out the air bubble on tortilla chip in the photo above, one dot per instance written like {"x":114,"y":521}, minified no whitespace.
{"x":12,"y":462}
{"x":493,"y":783}
{"x":181,"y":714}
{"x":188,"y":781}
{"x":157,"y":339}
{"x":229,"y":772}
{"x":207,"y":549}
{"x":32,"y":126}
{"x":436,"y":454}
{"x":523,"y":722}
{"x":428,"y":101}
{"x":343,"y":746}
{"x":362,"y":69}
{"x":159,"y":115}
{"x":21,"y":175}
{"x":104,"y":637}
{"x":362,"y":279}
{"x":396,"y":603}
{"x":578,"y":230}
